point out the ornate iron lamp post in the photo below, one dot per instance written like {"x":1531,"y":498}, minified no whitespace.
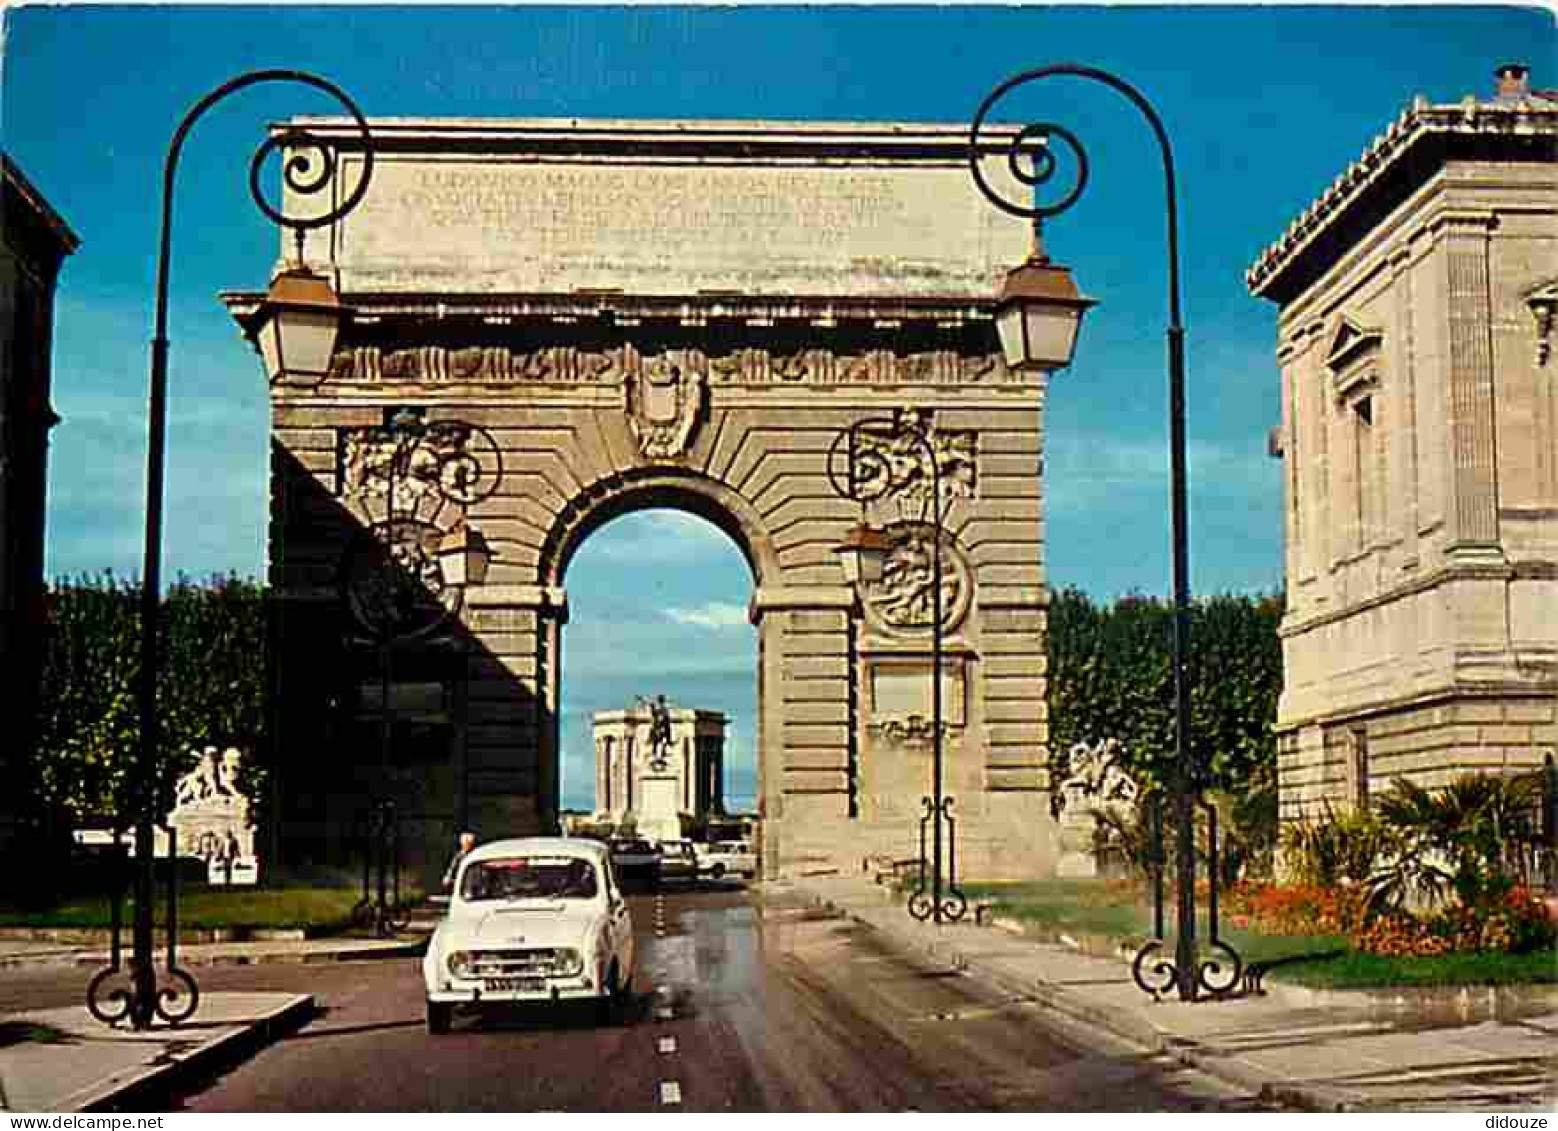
{"x":301,"y":330}
{"x":872,"y":454}
{"x":1036,"y":313}
{"x":405,"y":579}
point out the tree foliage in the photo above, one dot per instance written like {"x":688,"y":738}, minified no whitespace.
{"x":1111,"y":675}
{"x":210,"y":688}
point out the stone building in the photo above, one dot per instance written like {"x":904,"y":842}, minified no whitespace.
{"x":653,"y":782}
{"x":594,"y":317}
{"x":34,"y":242}
{"x":1420,"y":440}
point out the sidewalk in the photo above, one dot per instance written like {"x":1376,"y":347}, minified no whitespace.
{"x":23,"y":952}
{"x":73,"y":1062}
{"x":76,"y":1063}
{"x":1326,"y":1050}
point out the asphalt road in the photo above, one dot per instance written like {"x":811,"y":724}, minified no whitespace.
{"x":741,"y":1005}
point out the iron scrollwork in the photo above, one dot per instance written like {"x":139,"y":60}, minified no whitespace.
{"x":385,"y":911}
{"x":422,"y":467}
{"x":923,"y":900}
{"x":1214,"y":975}
{"x":904,"y":459}
{"x":112,"y":994}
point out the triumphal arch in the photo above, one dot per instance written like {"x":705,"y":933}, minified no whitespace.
{"x":588,"y":318}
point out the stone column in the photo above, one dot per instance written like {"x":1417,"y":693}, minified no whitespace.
{"x":1474,"y":512}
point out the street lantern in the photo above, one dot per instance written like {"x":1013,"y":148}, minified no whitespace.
{"x":1038,"y":314}
{"x":296,"y":326}
{"x":303,"y":321}
{"x":463,"y":556}
{"x":863,"y":553}
{"x":859,"y":469}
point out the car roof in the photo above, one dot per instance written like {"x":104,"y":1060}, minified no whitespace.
{"x":539,"y":846}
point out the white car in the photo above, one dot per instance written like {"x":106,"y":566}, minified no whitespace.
{"x":728,"y":858}
{"x":534,"y":920}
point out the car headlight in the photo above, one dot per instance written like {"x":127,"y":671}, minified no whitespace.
{"x":567,"y":961}
{"x":461,"y":963}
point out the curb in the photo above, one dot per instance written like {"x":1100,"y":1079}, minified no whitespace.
{"x":147,"y":1083}
{"x":1126,"y":1026}
{"x":412,"y":949}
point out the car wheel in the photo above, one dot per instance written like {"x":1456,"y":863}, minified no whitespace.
{"x":439,"y":1014}
{"x":718,"y":871}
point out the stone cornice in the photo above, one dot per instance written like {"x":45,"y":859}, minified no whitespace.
{"x":951,"y":311}
{"x":1472,"y":120}
{"x":662,"y":138}
{"x":1460,"y":690}
{"x":1511,"y":571}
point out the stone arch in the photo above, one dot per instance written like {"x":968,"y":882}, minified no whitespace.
{"x":704,"y":357}
{"x":670,"y":487}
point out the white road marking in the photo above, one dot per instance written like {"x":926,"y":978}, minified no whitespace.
{"x":670,"y":1092}
{"x":667,"y":1044}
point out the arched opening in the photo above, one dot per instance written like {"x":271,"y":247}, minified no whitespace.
{"x":658,"y":606}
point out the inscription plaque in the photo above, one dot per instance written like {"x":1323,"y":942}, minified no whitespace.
{"x":675,"y":216}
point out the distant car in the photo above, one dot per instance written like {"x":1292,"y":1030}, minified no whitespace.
{"x":637,"y":861}
{"x":678,"y":860}
{"x":728,"y":858}
{"x":535,"y":920}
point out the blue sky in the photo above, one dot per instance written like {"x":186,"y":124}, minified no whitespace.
{"x":1264,"y":105}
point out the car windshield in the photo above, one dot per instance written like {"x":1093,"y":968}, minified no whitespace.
{"x":528,"y":877}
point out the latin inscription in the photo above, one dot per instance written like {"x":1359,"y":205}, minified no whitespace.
{"x":564,"y":206}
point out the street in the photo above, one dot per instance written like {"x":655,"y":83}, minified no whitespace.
{"x":743,"y":1003}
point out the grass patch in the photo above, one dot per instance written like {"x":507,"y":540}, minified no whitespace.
{"x":20,"y":1032}
{"x":1121,"y":913}
{"x":1354,"y":970}
{"x":318,"y":909}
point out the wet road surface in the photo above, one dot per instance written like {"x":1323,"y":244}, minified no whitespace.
{"x":741,"y":1003}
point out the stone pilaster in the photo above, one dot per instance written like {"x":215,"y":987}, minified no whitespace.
{"x":1475,"y":513}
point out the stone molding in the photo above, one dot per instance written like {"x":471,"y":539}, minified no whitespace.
{"x":1499,"y":691}
{"x":553,"y":598}
{"x":790,"y":598}
{"x":1470,"y":118}
{"x":1488,"y":570}
{"x":571,"y":365}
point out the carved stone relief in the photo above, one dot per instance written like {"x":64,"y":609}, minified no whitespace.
{"x":893,"y":465}
{"x":901,"y":602}
{"x":571,"y":365}
{"x":663,"y":400}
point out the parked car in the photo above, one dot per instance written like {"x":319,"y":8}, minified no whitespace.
{"x":678,"y":860}
{"x":637,"y":861}
{"x":535,"y":920}
{"x":728,"y":857}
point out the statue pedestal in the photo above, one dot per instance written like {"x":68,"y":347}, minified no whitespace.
{"x":658,"y":814}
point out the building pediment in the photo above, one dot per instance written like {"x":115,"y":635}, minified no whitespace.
{"x":1351,"y":356}
{"x":1350,"y":341}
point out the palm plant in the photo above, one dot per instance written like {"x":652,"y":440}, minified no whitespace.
{"x":1453,"y":840}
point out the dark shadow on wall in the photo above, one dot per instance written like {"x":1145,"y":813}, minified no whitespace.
{"x":460,"y":748}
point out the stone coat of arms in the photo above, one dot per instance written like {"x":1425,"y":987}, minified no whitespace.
{"x":663,"y":400}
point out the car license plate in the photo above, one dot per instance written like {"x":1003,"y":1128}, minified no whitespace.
{"x":513,"y":985}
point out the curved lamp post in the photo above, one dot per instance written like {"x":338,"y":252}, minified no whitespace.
{"x":297,"y":327}
{"x":403,"y":581}
{"x":870,"y":451}
{"x":1037,"y":315}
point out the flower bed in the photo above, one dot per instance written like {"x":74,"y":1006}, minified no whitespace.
{"x":1514,"y":923}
